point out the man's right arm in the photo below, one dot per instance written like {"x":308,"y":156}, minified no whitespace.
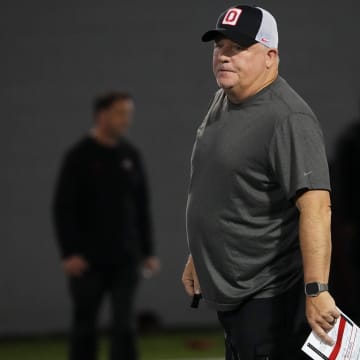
{"x":190,"y":279}
{"x":66,"y":216}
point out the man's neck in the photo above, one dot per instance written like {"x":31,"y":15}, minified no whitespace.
{"x":102,"y":137}
{"x":238,"y":96}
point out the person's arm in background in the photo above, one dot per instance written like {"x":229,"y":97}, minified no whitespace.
{"x":66,"y":220}
{"x":151,"y":263}
{"x":315,"y":242}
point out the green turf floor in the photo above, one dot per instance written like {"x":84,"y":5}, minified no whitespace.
{"x":165,"y":346}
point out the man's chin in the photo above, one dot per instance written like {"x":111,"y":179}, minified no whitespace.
{"x":116,"y":134}
{"x":225,"y":85}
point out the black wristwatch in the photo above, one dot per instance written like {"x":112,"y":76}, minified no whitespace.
{"x":314,"y":288}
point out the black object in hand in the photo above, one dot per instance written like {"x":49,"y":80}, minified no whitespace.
{"x":196,"y":300}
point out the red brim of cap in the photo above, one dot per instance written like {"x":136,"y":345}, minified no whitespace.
{"x":238,"y":37}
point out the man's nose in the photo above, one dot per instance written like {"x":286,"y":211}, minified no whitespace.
{"x":223,"y":58}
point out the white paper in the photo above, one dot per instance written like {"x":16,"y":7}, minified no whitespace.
{"x":347,"y":342}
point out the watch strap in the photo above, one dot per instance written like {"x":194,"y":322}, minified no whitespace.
{"x":323,"y":287}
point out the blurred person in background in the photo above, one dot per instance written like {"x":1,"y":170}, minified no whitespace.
{"x":259,"y":211}
{"x":103,"y":226}
{"x":345,"y":172}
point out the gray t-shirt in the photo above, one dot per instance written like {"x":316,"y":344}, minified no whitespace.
{"x":249,"y":162}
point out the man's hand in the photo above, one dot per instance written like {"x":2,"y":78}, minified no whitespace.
{"x":321,"y":313}
{"x":151,"y":266}
{"x":190,"y":279}
{"x":75,"y":265}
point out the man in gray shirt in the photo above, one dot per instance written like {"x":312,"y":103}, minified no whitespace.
{"x":258,"y":214}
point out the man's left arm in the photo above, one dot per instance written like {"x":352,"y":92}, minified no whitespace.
{"x":315,"y":242}
{"x":151,"y":262}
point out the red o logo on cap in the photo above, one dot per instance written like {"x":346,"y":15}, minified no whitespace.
{"x":232,"y":17}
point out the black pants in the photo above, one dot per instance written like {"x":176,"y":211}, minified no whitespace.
{"x":267,"y":329}
{"x":87,"y":293}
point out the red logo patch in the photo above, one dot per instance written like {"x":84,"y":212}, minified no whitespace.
{"x":232,"y":17}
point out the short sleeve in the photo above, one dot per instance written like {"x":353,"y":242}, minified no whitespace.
{"x":297,"y":155}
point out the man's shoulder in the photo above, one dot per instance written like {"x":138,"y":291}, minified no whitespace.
{"x":288,"y":101}
{"x":79,"y":148}
{"x":82,"y":144}
{"x":291,"y":110}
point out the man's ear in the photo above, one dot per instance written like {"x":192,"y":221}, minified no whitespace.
{"x":271,"y":57}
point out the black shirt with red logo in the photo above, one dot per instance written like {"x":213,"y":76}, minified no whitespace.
{"x":101,"y":207}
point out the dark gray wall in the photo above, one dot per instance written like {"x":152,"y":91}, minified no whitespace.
{"x":56,"y":55}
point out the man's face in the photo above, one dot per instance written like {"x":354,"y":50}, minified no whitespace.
{"x":237,"y":67}
{"x":117,"y":119}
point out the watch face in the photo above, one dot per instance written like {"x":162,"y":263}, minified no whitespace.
{"x":312,"y":289}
